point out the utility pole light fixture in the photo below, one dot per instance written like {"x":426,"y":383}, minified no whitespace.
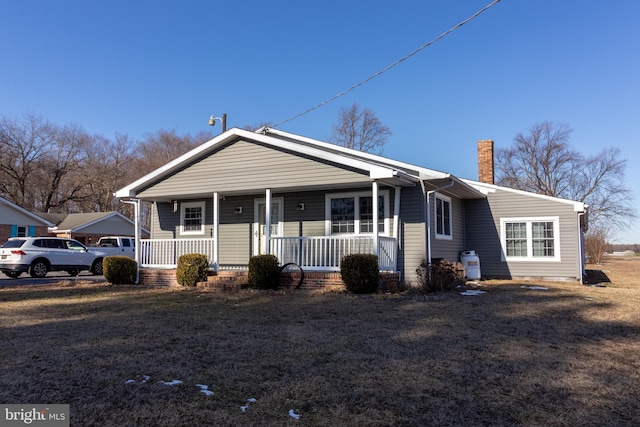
{"x":223,"y":120}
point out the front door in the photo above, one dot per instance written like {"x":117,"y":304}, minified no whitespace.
{"x":259,"y":226}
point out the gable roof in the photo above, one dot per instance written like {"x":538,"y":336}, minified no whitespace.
{"x":377,"y":167}
{"x":74,"y":222}
{"x":38,"y":219}
{"x":492,"y":188}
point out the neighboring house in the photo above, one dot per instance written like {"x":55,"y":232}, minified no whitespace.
{"x":18,"y":222}
{"x":310,"y":202}
{"x":89,"y":227}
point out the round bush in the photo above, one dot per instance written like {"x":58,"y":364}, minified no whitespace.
{"x":360,"y":273}
{"x":264,"y":272}
{"x":119,"y":270}
{"x":191,"y":269}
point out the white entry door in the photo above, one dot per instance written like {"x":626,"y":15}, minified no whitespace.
{"x":259,"y":226}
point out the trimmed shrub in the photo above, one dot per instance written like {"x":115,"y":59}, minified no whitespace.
{"x":119,"y":270}
{"x":444,"y":276}
{"x":264,"y":272}
{"x":360,"y":273}
{"x":191,"y":269}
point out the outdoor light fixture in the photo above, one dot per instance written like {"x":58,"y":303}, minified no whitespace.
{"x":300,"y":206}
{"x":238,"y":210}
{"x":223,"y":120}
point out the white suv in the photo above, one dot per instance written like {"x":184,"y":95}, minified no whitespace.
{"x":39,"y":255}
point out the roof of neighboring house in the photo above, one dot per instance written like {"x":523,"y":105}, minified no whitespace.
{"x":37,"y":218}
{"x":75,"y":222}
{"x":379,"y":168}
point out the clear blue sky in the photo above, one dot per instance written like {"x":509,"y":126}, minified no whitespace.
{"x":134,"y":67}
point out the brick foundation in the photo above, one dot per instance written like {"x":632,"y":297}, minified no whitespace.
{"x":236,"y":280}
{"x":162,"y":278}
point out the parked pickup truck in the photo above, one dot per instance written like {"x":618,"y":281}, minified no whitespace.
{"x":117,"y":245}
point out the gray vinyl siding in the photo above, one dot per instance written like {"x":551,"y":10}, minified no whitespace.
{"x":483,"y":235}
{"x":236,"y":230}
{"x":14,"y":217}
{"x":446,"y":249}
{"x":261,"y":167}
{"x":115,"y":226}
{"x":412,"y":246}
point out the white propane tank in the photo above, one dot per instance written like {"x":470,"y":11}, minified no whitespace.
{"x":471,"y":264}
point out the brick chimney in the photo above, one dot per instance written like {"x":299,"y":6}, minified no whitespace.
{"x":485,"y":161}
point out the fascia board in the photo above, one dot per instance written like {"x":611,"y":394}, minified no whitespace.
{"x":317,"y":152}
{"x":425,"y":173}
{"x":577,"y":206}
{"x":130,"y":190}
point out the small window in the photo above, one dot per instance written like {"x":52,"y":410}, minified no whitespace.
{"x":192,"y":218}
{"x":443,"y":217}
{"x":126,"y":243}
{"x":530,"y":239}
{"x":22,"y":231}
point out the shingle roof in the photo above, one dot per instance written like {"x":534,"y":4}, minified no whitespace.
{"x":75,"y":221}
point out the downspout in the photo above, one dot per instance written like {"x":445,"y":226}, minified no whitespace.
{"x":581,"y":248}
{"x":136,"y":222}
{"x":428,"y":214}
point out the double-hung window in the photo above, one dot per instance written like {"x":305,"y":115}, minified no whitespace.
{"x":192,"y":218}
{"x":352,"y":213}
{"x":530,"y":239}
{"x":443,"y":217}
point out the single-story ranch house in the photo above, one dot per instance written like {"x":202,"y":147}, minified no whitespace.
{"x":309,"y":202}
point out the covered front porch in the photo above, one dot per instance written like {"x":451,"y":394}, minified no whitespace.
{"x":314,"y":253}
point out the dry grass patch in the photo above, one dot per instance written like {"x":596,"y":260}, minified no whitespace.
{"x":513,"y":356}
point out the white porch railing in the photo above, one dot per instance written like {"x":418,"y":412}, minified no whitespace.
{"x":164,"y":253}
{"x":321,"y":253}
{"x":325,"y":252}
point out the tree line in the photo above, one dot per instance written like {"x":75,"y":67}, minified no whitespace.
{"x":46,"y":167}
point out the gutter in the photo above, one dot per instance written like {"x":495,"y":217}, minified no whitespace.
{"x":136,"y":214}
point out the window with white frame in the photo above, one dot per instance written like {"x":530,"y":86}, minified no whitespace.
{"x":352,"y":213}
{"x":192,"y":217}
{"x":530,"y":239}
{"x":443,"y":217}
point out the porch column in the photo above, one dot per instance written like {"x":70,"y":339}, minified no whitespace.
{"x":216,"y":230}
{"x":396,"y":212}
{"x":376,"y":209}
{"x":267,"y":220}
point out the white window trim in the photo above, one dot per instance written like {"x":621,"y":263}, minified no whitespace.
{"x":529,"y":221}
{"x":449,"y":236}
{"x":185,"y":205}
{"x":356,"y":195}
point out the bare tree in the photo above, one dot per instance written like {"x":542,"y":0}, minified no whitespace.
{"x":595,"y":243}
{"x":23,"y":144}
{"x":60,"y":179}
{"x":360,"y":130}
{"x":543,"y":162}
{"x":109,"y":167}
{"x":163,"y":146}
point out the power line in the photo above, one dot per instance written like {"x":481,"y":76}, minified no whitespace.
{"x":384,"y":70}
